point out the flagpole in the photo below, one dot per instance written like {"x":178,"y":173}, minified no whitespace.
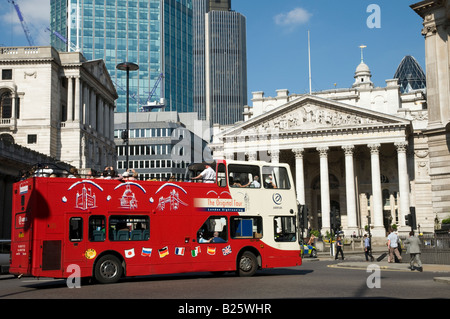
{"x":309,"y":61}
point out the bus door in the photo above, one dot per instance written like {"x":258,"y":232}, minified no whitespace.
{"x":22,"y":230}
{"x":212,"y":247}
{"x":173,"y":242}
{"x":21,"y":244}
{"x":75,"y":240}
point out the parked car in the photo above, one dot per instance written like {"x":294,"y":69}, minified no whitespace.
{"x":5,"y":247}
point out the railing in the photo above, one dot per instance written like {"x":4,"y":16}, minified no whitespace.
{"x":19,"y":50}
{"x":435,"y":249}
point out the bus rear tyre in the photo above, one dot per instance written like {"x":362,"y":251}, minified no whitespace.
{"x":108,"y":270}
{"x":247,"y":265}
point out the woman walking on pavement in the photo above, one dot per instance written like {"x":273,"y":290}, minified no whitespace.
{"x":339,"y":248}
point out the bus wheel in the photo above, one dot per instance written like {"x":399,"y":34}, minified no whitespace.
{"x":248,"y":264}
{"x":108,"y":270}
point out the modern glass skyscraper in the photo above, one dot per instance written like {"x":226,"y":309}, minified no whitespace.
{"x":410,"y":75}
{"x":155,"y":34}
{"x":220,"y":62}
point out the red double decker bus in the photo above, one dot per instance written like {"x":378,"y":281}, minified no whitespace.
{"x":243,"y":220}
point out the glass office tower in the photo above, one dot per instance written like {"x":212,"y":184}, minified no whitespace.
{"x":220,"y":62}
{"x":155,"y":34}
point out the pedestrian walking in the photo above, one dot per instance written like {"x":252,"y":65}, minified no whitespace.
{"x":339,"y":248}
{"x":413,"y":248}
{"x":368,"y":248}
{"x":393,"y":246}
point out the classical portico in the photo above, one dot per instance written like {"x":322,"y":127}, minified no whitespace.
{"x":344,"y":158}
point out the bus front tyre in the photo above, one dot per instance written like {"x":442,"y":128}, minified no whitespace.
{"x":248,"y":264}
{"x":108,"y":270}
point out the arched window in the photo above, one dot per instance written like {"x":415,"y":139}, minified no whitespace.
{"x":5,"y":137}
{"x":6,"y":105}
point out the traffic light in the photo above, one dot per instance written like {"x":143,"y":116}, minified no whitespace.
{"x":124,"y":136}
{"x":335,"y":220}
{"x":410,"y":219}
{"x":303,"y":216}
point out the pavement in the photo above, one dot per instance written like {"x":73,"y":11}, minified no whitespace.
{"x":356,"y":260}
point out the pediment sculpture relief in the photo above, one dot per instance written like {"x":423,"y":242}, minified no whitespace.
{"x":313,"y":116}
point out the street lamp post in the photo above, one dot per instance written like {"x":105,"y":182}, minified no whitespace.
{"x":127,"y":66}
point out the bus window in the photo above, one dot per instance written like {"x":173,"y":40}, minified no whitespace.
{"x":97,"y":228}
{"x":214,"y":230}
{"x":244,"y":176}
{"x":133,"y":228}
{"x":76,"y":229}
{"x":221,"y":175}
{"x":246,"y":227}
{"x":276,"y":177}
{"x":284,"y":228}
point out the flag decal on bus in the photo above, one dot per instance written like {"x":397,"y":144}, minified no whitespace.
{"x":129,"y":253}
{"x":196,"y":251}
{"x":226,"y":250}
{"x":179,"y":251}
{"x":146,"y":252}
{"x":163,"y":252}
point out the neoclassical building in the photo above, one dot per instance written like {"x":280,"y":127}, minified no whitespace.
{"x":359,"y":152}
{"x":58,"y":104}
{"x":436,"y":32}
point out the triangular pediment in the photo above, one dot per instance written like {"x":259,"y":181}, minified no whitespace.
{"x":98,"y":69}
{"x":311,"y":113}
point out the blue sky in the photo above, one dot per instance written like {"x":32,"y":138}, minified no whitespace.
{"x":277,"y":39}
{"x":277,"y":42}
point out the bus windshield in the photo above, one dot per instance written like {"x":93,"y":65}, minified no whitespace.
{"x":275,"y":177}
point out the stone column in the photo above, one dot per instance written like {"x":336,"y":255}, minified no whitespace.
{"x":78,"y":108}
{"x":252,"y":156}
{"x":106,"y":119}
{"x":403,"y":181}
{"x":86,"y":114}
{"x":101,"y":117}
{"x":275,"y":156}
{"x":229,"y":156}
{"x":14,"y":101}
{"x":377,"y":200}
{"x":350,"y":188}
{"x":111,"y":121}
{"x":70,"y":99}
{"x":324,"y":189}
{"x":299,"y":175}
{"x":93,"y":109}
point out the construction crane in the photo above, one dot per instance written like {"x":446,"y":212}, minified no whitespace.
{"x":22,"y":21}
{"x":63,"y":39}
{"x":154,"y":105}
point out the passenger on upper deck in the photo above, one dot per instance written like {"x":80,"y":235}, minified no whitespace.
{"x":255,"y":183}
{"x":208,"y":175}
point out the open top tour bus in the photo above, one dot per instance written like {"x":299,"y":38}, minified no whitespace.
{"x":243,"y":220}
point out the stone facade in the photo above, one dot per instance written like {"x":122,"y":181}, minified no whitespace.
{"x":58,"y":104}
{"x":359,"y":152}
{"x":436,"y":31}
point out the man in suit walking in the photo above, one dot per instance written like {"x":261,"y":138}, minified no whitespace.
{"x":413,"y":243}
